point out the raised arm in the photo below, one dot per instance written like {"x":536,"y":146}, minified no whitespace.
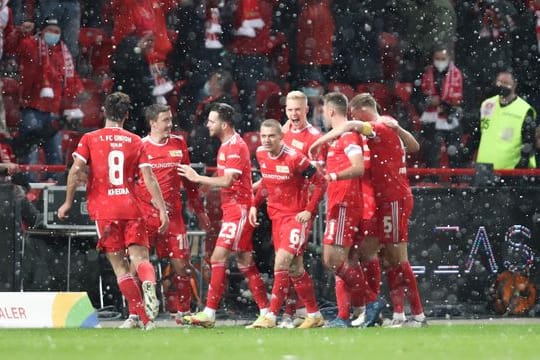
{"x":410,"y":142}
{"x":353,"y":125}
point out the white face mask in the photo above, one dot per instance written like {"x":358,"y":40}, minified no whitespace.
{"x":441,"y":65}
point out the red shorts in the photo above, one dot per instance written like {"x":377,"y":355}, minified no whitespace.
{"x":393,"y":218}
{"x":290,"y":235}
{"x":117,"y":235}
{"x":342,"y":225}
{"x":368,"y":228}
{"x":236,"y":232}
{"x":174,"y":243}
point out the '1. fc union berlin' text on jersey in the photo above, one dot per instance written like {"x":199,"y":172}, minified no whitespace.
{"x":348,"y":192}
{"x":114,"y":156}
{"x":388,"y":167}
{"x":233,"y":156}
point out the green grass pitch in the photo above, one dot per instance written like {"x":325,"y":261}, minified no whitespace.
{"x":461,"y":342}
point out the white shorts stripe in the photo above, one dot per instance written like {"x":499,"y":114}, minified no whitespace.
{"x":240,"y":229}
{"x":395,"y":221}
{"x":341,"y":225}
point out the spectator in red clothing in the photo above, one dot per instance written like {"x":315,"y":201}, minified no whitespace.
{"x":50,"y":86}
{"x":441,"y":97}
{"x":140,"y":17}
{"x":314,"y":48}
{"x":251,"y":47}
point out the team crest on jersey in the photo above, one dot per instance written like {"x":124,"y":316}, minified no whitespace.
{"x":263,"y":165}
{"x":297,"y":144}
{"x":175,"y":153}
{"x":222,"y":157}
{"x":282,"y":169}
{"x":487,"y":109}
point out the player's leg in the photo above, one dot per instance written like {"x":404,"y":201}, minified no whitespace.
{"x":111,"y":242}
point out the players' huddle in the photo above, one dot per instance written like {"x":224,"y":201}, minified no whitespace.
{"x":359,"y":164}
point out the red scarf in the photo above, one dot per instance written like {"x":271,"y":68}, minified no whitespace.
{"x":44,"y":60}
{"x":451,"y":88}
{"x":247,"y":18}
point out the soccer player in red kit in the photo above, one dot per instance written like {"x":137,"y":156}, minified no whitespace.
{"x":284,"y":173}
{"x":165,"y":152}
{"x":344,"y":169}
{"x":113,"y":157}
{"x":234,"y":179}
{"x":300,"y":135}
{"x":394,"y":202}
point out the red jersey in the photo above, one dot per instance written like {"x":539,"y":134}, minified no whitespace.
{"x":348,"y":191}
{"x":302,"y":140}
{"x":284,"y":181}
{"x":368,"y":193}
{"x":114,"y":156}
{"x":389,"y":171}
{"x":164,"y":159}
{"x":233,"y":156}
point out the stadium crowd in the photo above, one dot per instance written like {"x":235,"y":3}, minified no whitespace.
{"x":430,"y":64}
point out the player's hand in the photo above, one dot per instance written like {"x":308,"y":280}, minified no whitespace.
{"x":391,"y":123}
{"x":164,"y":219}
{"x":188,"y":172}
{"x":253,"y":216}
{"x":286,"y":127}
{"x":63,"y":211}
{"x":303,"y":217}
{"x":204,"y":222}
{"x":313,"y":150}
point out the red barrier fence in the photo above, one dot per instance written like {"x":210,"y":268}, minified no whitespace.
{"x":410,"y":171}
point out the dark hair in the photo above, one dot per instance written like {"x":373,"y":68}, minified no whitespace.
{"x":152,"y":112}
{"x":338,"y":101}
{"x":117,"y":106}
{"x":225,"y":112}
{"x":224,"y":80}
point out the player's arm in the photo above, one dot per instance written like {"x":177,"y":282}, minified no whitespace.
{"x":410,"y":142}
{"x":260,"y":195}
{"x":77,"y":172}
{"x":195,"y":202}
{"x":157,"y":197}
{"x":361,"y":127}
{"x":224,"y":181}
{"x":317,"y":184}
{"x":356,"y":158}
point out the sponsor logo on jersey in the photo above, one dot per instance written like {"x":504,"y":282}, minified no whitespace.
{"x":175,"y":153}
{"x":297,"y":144}
{"x":282,"y":169}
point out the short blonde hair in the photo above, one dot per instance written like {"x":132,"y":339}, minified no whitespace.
{"x":363,"y":99}
{"x":272,"y":123}
{"x":297,"y":95}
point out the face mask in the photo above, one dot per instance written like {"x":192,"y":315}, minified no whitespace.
{"x":441,"y":65}
{"x":503,"y":91}
{"x":51,"y":39}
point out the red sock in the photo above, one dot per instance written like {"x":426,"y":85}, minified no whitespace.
{"x":256,"y":285}
{"x":292,"y":300}
{"x":411,"y":288}
{"x":372,"y":271}
{"x":279,"y":290}
{"x":356,"y":282}
{"x":343,"y":299}
{"x":145,"y":272}
{"x":183,"y":291}
{"x":304,"y":288}
{"x":129,"y":287}
{"x":397,"y":295}
{"x":217,"y":285}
